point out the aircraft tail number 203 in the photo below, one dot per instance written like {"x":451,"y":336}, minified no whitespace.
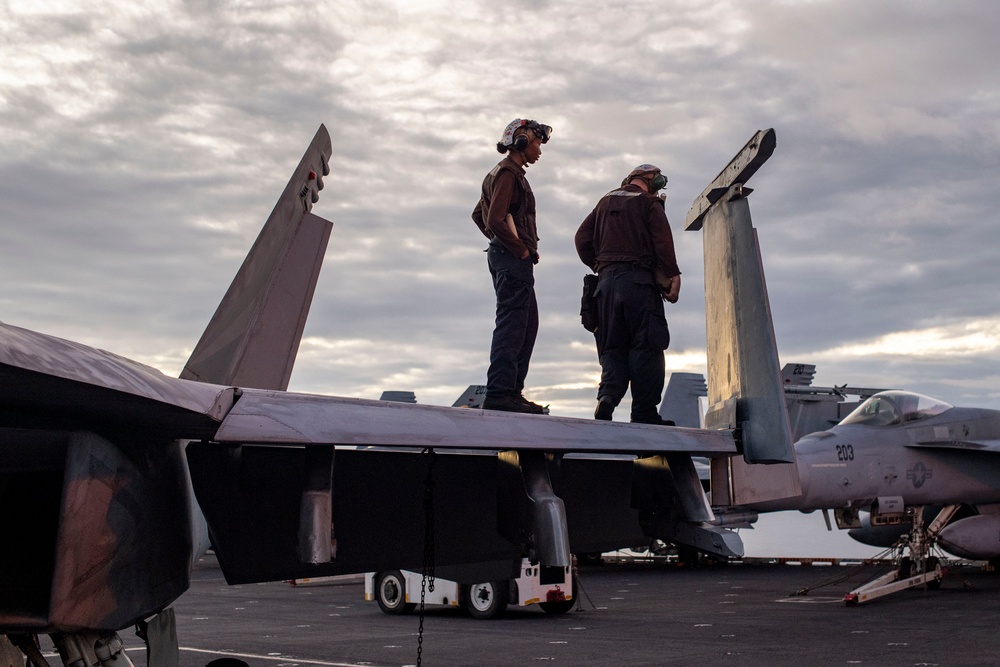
{"x":845,"y":452}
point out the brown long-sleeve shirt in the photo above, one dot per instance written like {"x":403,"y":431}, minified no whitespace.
{"x":506,"y":190}
{"x":628,"y":225}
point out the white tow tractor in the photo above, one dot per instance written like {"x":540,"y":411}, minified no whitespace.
{"x":551,"y":588}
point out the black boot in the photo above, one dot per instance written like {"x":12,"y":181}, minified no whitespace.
{"x":509,"y":403}
{"x":605,"y":408}
{"x":656,"y":420}
{"x":531,"y":408}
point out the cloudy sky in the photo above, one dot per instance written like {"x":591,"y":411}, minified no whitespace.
{"x":144,"y":143}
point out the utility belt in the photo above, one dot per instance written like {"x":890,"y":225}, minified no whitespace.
{"x":611,"y":268}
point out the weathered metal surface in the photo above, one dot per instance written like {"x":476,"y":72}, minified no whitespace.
{"x":254,"y":335}
{"x":742,"y":355}
{"x":743,"y":360}
{"x":93,"y":479}
{"x":481,"y":511}
{"x":273,"y":417}
{"x":99,"y":532}
{"x":251,"y":496}
{"x":546,"y":524}
{"x":739,"y":170}
{"x":680,"y":400}
{"x":705,"y":538}
{"x":25,"y":352}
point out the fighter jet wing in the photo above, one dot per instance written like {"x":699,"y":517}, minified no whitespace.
{"x":44,"y":368}
{"x":283,"y":418}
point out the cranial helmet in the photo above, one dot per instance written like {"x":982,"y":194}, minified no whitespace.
{"x":512,"y":139}
{"x":649,"y":173}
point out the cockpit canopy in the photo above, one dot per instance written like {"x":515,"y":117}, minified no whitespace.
{"x":895,"y":407}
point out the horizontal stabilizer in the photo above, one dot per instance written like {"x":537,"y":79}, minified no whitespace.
{"x":253,"y":338}
{"x":739,"y":170}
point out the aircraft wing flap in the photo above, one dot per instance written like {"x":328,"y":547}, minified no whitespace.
{"x":280,"y":418}
{"x":967,"y":445}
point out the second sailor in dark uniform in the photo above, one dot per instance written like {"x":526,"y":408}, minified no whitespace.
{"x":627,"y":241}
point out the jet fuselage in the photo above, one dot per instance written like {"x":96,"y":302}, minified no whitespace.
{"x":937,"y":455}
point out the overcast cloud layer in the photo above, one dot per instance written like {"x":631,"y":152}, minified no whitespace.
{"x":144,"y":143}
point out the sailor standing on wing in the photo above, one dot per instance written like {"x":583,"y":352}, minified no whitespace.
{"x":506,"y":216}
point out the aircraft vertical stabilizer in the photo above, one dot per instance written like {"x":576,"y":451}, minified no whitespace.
{"x":745,"y":388}
{"x":254,"y":335}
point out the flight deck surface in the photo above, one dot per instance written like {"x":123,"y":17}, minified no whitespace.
{"x":633,"y":614}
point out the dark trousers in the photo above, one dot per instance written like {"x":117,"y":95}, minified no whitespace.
{"x":516,"y":322}
{"x":631,"y":338}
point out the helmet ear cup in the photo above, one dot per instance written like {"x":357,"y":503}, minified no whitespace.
{"x":659,"y":182}
{"x":521,"y":142}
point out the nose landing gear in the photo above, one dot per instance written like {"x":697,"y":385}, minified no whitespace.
{"x":917,"y":568}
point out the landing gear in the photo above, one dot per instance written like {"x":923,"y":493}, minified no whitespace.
{"x":905,"y":568}
{"x":917,"y":568}
{"x":97,"y":648}
{"x":933,"y":566}
{"x":89,"y":647}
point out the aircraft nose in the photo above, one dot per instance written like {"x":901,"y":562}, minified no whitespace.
{"x":817,"y":465}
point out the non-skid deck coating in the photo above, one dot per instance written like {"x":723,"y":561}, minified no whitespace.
{"x":634,"y":614}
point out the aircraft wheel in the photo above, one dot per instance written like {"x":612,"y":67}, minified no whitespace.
{"x":589,"y":558}
{"x":905,"y":568}
{"x":488,"y":600}
{"x":932,"y":564}
{"x":390,"y":593}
